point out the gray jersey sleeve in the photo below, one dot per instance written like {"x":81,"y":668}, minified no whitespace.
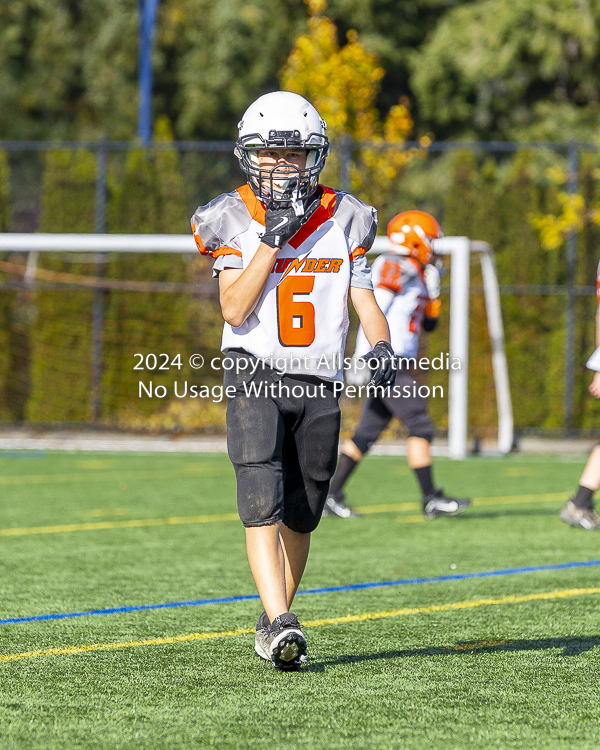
{"x":226,"y":261}
{"x":360,"y":273}
{"x":217,"y":225}
{"x":357,"y":219}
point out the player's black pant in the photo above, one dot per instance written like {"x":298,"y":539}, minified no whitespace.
{"x":378,"y":411}
{"x":282,"y":438}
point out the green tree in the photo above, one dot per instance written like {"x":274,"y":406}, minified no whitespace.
{"x":525,"y":70}
{"x":470,"y":210}
{"x":148,"y":199}
{"x":7,"y":299}
{"x":534,"y":324}
{"x":68,"y":69}
{"x":61,"y":336}
{"x":5,"y":206}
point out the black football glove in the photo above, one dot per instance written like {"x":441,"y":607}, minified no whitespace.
{"x":281,"y":224}
{"x":384,"y":373}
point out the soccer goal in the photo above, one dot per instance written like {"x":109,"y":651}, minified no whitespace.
{"x":460,"y":250}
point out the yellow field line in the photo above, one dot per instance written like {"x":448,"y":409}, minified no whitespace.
{"x":470,"y":604}
{"x":178,"y":521}
{"x":547,"y":497}
{"x":109,"y":476}
{"x":390,"y":508}
{"x":133,"y":524}
{"x":411,"y":519}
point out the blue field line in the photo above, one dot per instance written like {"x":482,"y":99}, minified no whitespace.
{"x":325,"y":590}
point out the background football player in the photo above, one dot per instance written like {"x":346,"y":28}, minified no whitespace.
{"x":407,"y":289}
{"x":287,"y":253}
{"x":579,"y":511}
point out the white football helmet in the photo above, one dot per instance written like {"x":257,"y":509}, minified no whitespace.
{"x":282,"y":120}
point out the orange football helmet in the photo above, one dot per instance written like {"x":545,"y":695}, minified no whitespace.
{"x":410,"y":233}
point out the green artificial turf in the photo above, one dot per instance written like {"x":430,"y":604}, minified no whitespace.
{"x":503,"y":675}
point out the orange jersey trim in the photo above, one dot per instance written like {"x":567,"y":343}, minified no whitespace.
{"x":220,"y":251}
{"x":358,"y":252}
{"x":254,"y":206}
{"x":323,"y":213}
{"x":226,"y":251}
{"x":199,"y":244}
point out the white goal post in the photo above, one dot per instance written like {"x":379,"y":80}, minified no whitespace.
{"x":458,"y":248}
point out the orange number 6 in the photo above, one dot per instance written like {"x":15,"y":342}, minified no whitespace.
{"x":296,"y":319}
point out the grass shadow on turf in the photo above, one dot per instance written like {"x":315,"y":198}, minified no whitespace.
{"x":570,"y":645}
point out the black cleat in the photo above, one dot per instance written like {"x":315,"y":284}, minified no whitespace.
{"x":438,"y":504}
{"x":585,"y":518}
{"x":335,"y":506}
{"x":287,"y":645}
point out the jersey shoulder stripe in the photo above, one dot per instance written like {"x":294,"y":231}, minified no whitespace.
{"x":357,"y":219}
{"x":216,"y":225}
{"x":328,"y":200}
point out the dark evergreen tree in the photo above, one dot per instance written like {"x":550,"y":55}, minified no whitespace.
{"x":61,"y":336}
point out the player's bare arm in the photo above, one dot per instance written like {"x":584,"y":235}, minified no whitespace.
{"x":240,"y":290}
{"x":371,"y":318}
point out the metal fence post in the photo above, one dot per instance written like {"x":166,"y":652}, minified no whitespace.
{"x":345,"y":157}
{"x":572,"y":186}
{"x":98,"y":300}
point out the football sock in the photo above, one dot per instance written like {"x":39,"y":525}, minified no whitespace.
{"x":345,"y":467}
{"x":583,"y":498}
{"x":425,"y":480}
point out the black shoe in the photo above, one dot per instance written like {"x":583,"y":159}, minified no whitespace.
{"x":585,"y":518}
{"x":335,"y":506}
{"x":287,"y":645}
{"x":439,"y":504}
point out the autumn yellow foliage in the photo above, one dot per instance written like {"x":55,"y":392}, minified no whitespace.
{"x":343,"y":83}
{"x":572,"y":216}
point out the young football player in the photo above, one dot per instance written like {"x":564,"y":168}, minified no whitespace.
{"x":579,"y":511}
{"x":407,"y":289}
{"x":287,"y":253}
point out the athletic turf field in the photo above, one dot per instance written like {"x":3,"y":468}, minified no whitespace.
{"x":491,"y":662}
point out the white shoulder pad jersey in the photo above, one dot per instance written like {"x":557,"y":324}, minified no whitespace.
{"x":301,"y":319}
{"x":401,"y":294}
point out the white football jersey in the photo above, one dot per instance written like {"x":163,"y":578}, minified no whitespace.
{"x":401,"y":294}
{"x":301,"y":319}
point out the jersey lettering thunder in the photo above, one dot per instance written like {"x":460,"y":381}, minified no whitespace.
{"x":302,"y":313}
{"x":401,"y":294}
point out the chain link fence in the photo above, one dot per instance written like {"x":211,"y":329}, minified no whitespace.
{"x":66,"y":349}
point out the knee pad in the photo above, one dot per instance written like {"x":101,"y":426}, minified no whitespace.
{"x":259,"y":492}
